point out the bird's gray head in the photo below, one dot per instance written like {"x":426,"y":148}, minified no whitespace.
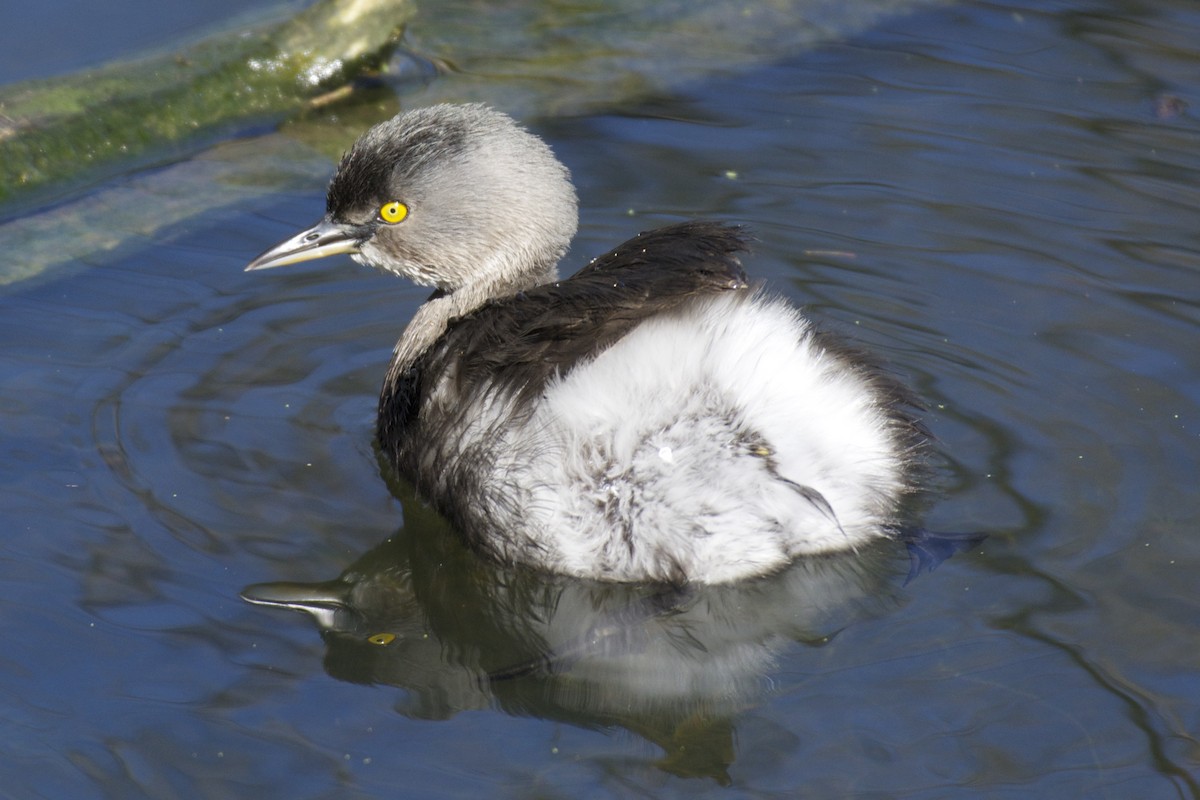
{"x":448,"y":196}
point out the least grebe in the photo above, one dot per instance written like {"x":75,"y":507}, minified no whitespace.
{"x":653,"y":417}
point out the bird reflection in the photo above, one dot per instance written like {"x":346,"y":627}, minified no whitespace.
{"x":672,"y":664}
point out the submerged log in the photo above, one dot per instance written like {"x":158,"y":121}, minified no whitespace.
{"x":95,"y":123}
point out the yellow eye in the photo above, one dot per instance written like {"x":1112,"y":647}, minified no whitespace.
{"x":393,"y":212}
{"x":382,"y":638}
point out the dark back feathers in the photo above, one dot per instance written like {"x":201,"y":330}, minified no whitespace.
{"x":517,"y":343}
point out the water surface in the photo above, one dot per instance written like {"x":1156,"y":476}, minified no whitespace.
{"x":1001,"y":199}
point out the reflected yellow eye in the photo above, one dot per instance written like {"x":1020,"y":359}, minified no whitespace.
{"x":393,"y":212}
{"x":382,"y":638}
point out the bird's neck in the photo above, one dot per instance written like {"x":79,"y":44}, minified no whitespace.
{"x":435,"y":314}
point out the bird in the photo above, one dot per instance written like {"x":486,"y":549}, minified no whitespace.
{"x":656,"y":417}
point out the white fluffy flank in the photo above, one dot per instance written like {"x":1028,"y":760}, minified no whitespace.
{"x":709,"y":444}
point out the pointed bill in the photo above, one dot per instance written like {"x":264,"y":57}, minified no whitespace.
{"x":326,"y":238}
{"x":323,"y":601}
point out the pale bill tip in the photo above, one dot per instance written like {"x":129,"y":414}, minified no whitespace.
{"x":323,"y":239}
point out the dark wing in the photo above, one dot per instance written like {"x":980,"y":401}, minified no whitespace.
{"x":516,"y":344}
{"x":525,"y":339}
{"x":521,"y":341}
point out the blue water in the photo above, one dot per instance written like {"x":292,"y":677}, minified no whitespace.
{"x":58,"y":37}
{"x":1000,"y":199}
